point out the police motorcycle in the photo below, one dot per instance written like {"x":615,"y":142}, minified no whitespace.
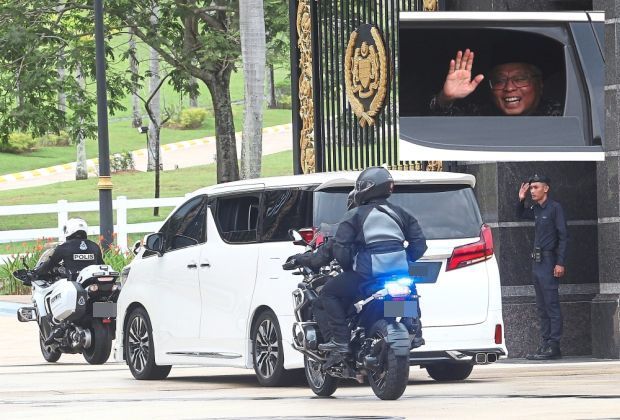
{"x":73,"y":316}
{"x":381,"y":323}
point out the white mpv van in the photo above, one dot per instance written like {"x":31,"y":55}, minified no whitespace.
{"x":209,"y":287}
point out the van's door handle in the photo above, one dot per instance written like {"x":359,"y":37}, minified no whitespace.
{"x":192,"y":266}
{"x":205,"y":265}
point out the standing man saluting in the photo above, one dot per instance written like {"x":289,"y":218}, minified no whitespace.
{"x":549,"y":256}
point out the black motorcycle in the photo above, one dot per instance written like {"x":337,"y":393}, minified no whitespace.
{"x":382,"y":324}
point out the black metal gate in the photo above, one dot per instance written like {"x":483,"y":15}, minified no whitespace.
{"x":328,"y":133}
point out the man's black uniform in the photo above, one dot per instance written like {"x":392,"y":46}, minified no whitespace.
{"x":550,"y":241}
{"x":74,"y":254}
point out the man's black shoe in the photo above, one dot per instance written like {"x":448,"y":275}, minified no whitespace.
{"x":539,"y":351}
{"x":417,"y":342}
{"x":551,"y":352}
{"x":334,"y":346}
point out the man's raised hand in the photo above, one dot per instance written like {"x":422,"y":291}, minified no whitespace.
{"x":459,"y":83}
{"x":523,"y":190}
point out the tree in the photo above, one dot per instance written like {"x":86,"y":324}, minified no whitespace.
{"x":252,"y":28}
{"x":136,"y":115}
{"x":31,"y":36}
{"x":208,"y":33}
{"x":278,"y":43}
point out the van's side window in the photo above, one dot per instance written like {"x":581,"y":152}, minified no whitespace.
{"x":187,"y":226}
{"x":285,"y":209}
{"x":237,"y":218}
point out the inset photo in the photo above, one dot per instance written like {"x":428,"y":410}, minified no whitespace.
{"x":501,"y":86}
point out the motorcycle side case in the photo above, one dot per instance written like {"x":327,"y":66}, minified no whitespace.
{"x":67,"y":302}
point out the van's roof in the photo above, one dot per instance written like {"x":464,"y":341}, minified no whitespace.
{"x":335,"y":179}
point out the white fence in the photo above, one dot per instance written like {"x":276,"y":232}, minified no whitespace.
{"x":62,"y":208}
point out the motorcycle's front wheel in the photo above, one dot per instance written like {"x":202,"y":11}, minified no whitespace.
{"x":389,"y":379}
{"x":320,"y":382}
{"x":49,"y":354}
{"x":100,"y":343}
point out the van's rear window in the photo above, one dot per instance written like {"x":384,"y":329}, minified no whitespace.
{"x":443,"y":211}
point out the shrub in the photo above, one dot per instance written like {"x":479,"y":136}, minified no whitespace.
{"x":18,"y":143}
{"x":116,"y":258}
{"x":55,"y":140}
{"x":189,"y":118}
{"x":122,"y":162}
{"x":9,"y":285}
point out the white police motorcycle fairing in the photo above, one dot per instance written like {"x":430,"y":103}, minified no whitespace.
{"x":73,"y":316}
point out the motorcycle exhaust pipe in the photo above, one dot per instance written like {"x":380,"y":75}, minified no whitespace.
{"x":491,"y":357}
{"x":481,"y":358}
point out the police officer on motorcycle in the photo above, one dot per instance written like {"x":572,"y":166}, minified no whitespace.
{"x":369,"y":243}
{"x":76,"y":253}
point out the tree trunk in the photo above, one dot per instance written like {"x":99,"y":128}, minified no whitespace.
{"x":193,"y":99}
{"x":272,"y":104}
{"x":136,"y":115}
{"x":81,"y":170}
{"x":154,"y":105}
{"x":62,"y":96}
{"x":227,"y":165}
{"x":252,"y":29}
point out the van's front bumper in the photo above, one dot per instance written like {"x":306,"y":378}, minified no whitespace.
{"x":469,"y":356}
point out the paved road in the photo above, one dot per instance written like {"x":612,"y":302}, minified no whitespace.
{"x":30,"y":388}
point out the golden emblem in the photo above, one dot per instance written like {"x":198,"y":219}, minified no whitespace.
{"x":366,"y":74}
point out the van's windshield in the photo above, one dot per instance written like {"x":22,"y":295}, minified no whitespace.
{"x":443,"y":211}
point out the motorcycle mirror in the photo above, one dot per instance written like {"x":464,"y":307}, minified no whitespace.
{"x":297,"y":238}
{"x":136,"y":247}
{"x":24,"y":262}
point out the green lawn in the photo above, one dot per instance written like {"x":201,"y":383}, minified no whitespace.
{"x":125,"y":138}
{"x":132,"y":185}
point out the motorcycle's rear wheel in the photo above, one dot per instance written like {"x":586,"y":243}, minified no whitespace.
{"x":320,"y":382}
{"x":389,"y":380}
{"x":101,"y":343}
{"x":49,"y":354}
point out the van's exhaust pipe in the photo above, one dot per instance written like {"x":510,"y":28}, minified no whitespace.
{"x":491,"y":357}
{"x":480,"y":358}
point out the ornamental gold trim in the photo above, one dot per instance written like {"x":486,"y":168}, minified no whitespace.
{"x":366,"y":74}
{"x":306,"y":101}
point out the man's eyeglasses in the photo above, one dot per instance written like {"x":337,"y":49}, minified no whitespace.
{"x":500,"y":83}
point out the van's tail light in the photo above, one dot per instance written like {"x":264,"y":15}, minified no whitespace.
{"x":498,"y":334}
{"x":307,"y":233}
{"x":466,"y":255}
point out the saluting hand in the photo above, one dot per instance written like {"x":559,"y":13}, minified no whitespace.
{"x":558,"y":271}
{"x":525,"y":187}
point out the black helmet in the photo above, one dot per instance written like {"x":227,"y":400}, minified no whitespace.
{"x":372,"y":183}
{"x":351,"y":203}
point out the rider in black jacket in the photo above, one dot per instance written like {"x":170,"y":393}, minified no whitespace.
{"x":367,"y":245}
{"x":74,"y":254}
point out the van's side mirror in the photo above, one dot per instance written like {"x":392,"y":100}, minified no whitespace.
{"x":296,"y":237}
{"x":154,"y":243}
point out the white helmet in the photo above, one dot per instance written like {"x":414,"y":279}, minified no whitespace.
{"x":72,"y":226}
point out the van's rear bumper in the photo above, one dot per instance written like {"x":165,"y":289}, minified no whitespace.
{"x":469,"y":356}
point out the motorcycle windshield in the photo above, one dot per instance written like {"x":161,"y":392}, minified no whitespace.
{"x":45,"y":256}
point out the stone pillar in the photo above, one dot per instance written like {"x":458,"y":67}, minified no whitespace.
{"x":606,"y":305}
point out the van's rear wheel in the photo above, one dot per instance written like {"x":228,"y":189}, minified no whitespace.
{"x":449,"y":371}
